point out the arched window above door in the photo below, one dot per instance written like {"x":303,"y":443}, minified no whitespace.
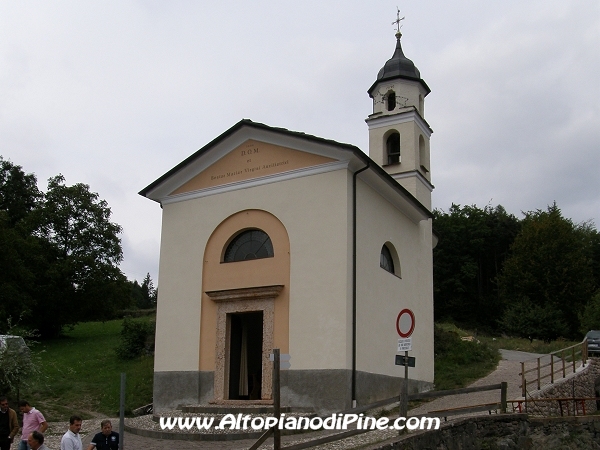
{"x":249,"y":244}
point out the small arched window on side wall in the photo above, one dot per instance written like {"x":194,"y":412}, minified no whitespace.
{"x":390,"y":100}
{"x":392,"y":145}
{"x":423,"y":159}
{"x":388,"y":259}
{"x":249,"y":244}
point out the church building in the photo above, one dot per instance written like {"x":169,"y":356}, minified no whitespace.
{"x":273,"y":238}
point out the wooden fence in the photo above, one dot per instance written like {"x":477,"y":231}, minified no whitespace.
{"x":545,"y":370}
{"x":276,"y":433}
{"x":575,"y":406}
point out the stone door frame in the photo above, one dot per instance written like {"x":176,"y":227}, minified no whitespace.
{"x":230,"y":301}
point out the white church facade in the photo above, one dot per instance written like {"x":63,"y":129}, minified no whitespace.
{"x":278,"y":239}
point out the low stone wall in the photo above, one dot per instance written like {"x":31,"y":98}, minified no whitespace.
{"x":473,"y":433}
{"x":580,"y":384}
{"x":505,"y":432}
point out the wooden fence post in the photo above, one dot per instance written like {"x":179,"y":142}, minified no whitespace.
{"x":523,"y":381}
{"x":503,"y":393}
{"x":538,"y":374}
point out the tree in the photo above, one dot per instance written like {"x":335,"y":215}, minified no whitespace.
{"x":136,"y":295}
{"x":17,"y":276}
{"x":19,"y":249}
{"x":548,"y":277}
{"x":84,"y":249}
{"x":148,"y":293}
{"x":19,"y":193}
{"x":59,"y":254}
{"x":590,"y":316}
{"x":473,"y":244}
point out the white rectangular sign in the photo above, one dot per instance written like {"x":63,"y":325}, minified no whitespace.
{"x":405,"y":344}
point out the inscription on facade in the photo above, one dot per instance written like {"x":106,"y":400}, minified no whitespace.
{"x":245,"y":157}
{"x":253,"y":159}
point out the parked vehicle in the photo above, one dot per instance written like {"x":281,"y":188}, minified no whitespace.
{"x":593,"y":342}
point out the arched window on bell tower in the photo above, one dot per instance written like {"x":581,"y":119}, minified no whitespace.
{"x":392,"y":145}
{"x":390,"y":100}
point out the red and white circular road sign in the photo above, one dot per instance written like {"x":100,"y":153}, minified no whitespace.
{"x":405,"y":323}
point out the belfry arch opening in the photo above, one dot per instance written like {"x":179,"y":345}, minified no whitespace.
{"x":392,"y":146}
{"x":390,"y":100}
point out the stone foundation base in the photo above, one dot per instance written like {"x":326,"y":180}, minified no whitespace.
{"x":322,"y":391}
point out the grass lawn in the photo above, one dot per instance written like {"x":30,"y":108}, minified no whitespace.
{"x":81,"y":374}
{"x":511,"y":343}
{"x":458,"y":362}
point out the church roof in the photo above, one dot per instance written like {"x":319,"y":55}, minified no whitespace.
{"x":375,"y":169}
{"x":399,"y":66}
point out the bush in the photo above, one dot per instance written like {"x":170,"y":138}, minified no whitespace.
{"x":16,"y":364}
{"x":135,"y":337}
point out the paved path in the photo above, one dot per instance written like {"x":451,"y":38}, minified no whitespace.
{"x":508,"y":370}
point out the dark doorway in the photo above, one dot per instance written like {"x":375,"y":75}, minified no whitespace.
{"x":245,"y":355}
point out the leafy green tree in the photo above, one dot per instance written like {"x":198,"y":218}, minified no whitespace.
{"x":19,"y":249}
{"x":136,"y":295}
{"x":83,"y":281}
{"x":17,"y":276}
{"x":19,"y":193}
{"x":473,"y":244}
{"x":59,"y":254}
{"x":594,"y":243}
{"x":590,"y":316}
{"x":548,"y":279}
{"x":527,"y":319}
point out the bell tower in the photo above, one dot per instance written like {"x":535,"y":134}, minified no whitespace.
{"x":398,"y":133}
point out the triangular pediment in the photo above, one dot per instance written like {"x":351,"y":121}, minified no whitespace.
{"x":250,"y":160}
{"x":253,"y":154}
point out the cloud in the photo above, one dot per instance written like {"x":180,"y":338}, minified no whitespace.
{"x":114,"y":94}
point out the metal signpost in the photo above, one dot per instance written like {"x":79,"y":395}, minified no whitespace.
{"x":405,"y":325}
{"x":280,"y":362}
{"x":276,"y":398}
{"x":122,"y":413}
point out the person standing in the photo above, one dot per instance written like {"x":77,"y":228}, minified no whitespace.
{"x":33,"y":420}
{"x":71,"y":439}
{"x":107,"y":439}
{"x":36,"y":441}
{"x":9,"y":425}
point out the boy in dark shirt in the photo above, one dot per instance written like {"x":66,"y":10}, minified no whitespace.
{"x":107,"y":439}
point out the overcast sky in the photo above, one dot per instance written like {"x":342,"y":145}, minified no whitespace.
{"x":115,"y":93}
